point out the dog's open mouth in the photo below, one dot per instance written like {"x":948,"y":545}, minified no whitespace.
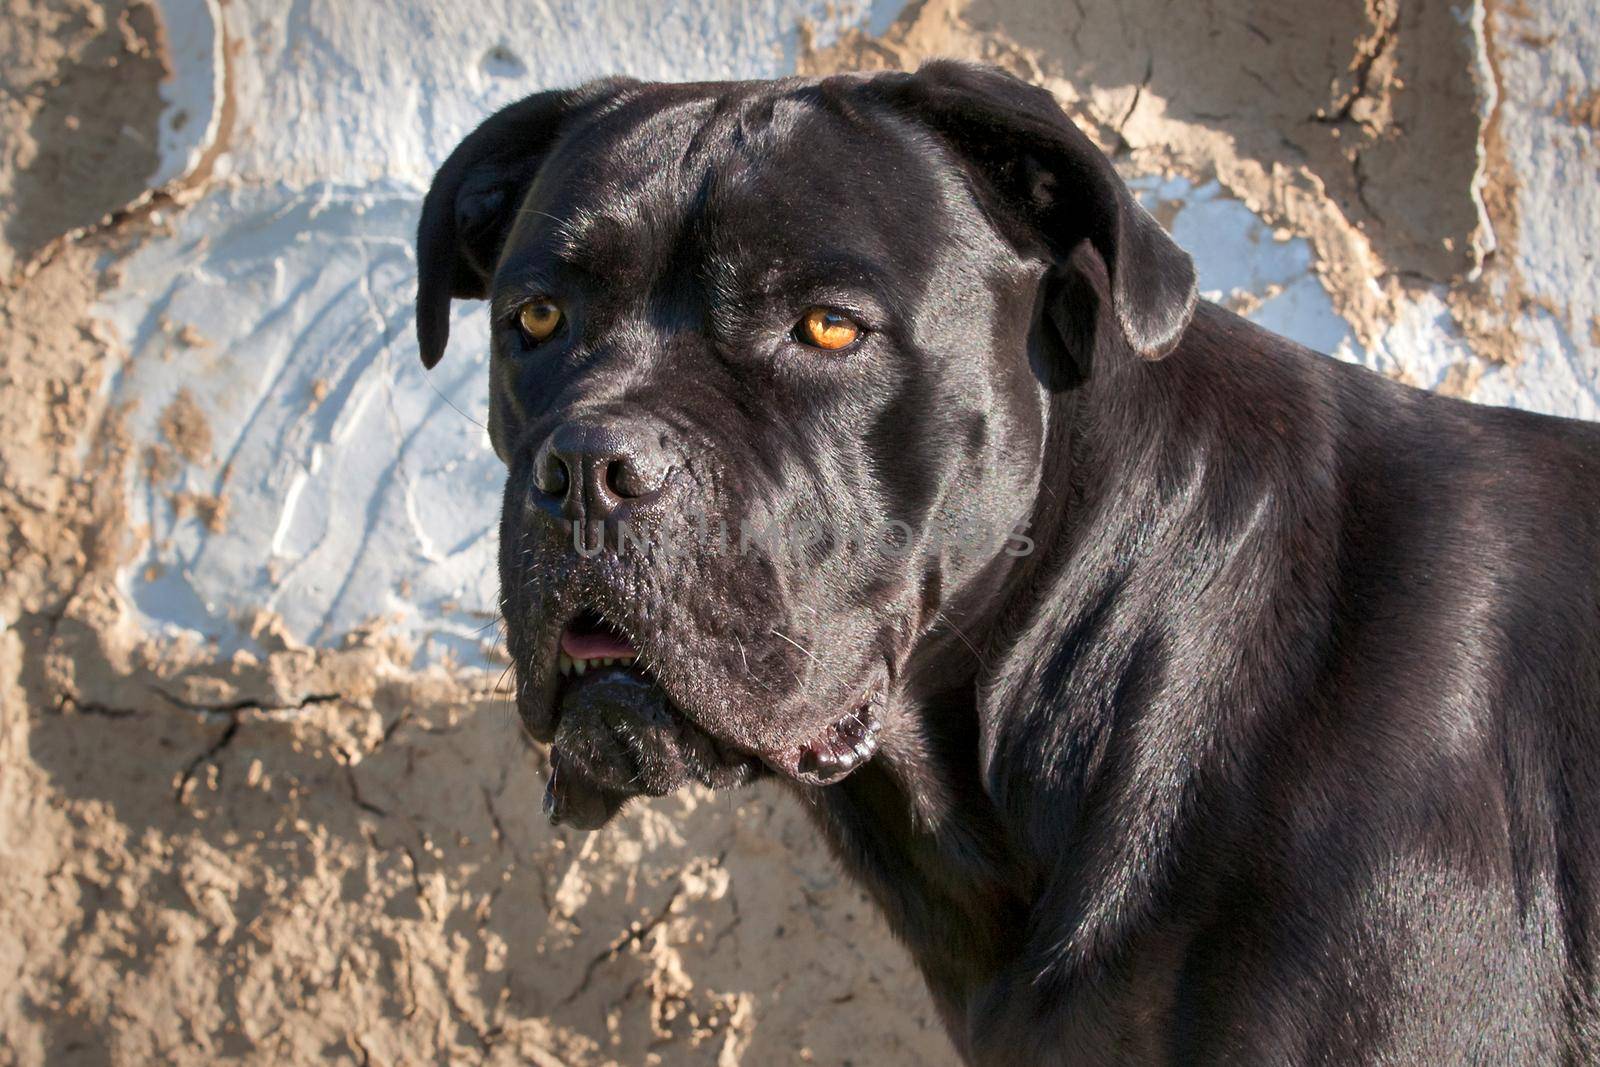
{"x":589,"y":643}
{"x":618,"y":734}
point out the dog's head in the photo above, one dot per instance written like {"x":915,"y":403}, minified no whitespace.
{"x":771,"y":370}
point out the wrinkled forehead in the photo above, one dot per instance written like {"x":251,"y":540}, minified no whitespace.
{"x":738,"y":174}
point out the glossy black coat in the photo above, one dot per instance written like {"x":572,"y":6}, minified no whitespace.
{"x":1282,"y":745}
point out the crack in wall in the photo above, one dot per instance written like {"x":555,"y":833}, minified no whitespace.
{"x":205,"y":758}
{"x":1385,"y":17}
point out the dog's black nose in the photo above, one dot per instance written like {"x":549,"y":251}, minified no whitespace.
{"x":594,"y":468}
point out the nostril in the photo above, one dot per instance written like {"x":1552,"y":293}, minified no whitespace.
{"x":551,"y":475}
{"x":620,"y":480}
{"x":630,"y":477}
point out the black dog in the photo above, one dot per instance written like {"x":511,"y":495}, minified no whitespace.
{"x":1260,"y":722}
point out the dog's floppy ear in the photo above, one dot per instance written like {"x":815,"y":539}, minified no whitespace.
{"x":472,"y":203}
{"x":1044,"y":182}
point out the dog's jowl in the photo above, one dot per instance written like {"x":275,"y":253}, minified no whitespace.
{"x":1180,"y":695}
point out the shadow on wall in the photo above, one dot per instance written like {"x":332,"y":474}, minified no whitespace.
{"x":90,"y":108}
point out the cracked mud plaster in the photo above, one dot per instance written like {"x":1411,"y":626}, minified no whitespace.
{"x":227,"y":861}
{"x":253,"y":809}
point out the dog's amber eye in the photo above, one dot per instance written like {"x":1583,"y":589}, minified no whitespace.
{"x":826,"y":328}
{"x":539,"y":319}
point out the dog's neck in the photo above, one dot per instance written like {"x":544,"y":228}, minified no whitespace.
{"x":981,"y":810}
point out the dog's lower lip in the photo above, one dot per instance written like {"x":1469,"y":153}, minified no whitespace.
{"x":846,"y":744}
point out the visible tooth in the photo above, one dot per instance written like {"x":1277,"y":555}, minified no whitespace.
{"x":565,"y":663}
{"x":607,"y":661}
{"x":580,"y":665}
{"x":864,"y":750}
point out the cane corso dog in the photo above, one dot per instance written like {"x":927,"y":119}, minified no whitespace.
{"x":1181,"y":695}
